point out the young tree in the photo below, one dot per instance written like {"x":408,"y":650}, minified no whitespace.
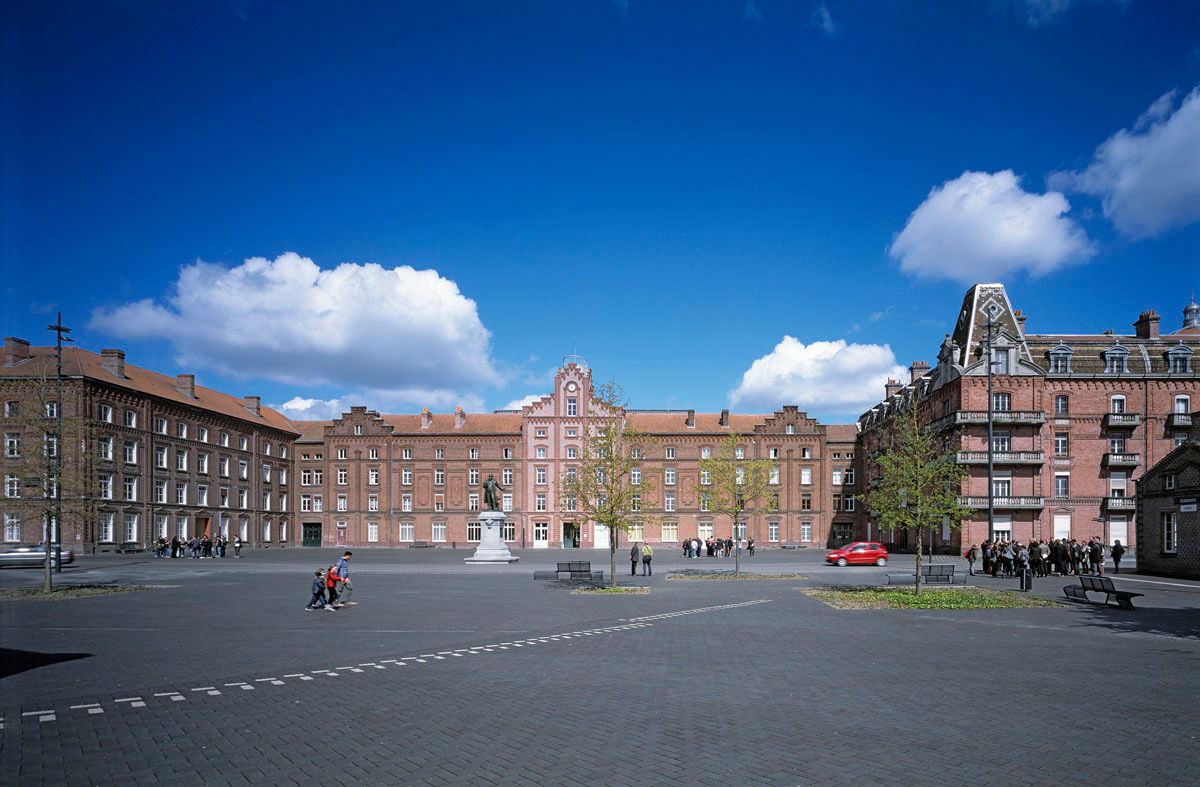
{"x":920,"y":484}
{"x":601,"y":485}
{"x":733,"y":483}
{"x":45,"y":480}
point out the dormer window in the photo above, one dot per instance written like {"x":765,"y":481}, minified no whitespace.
{"x":1116,"y":360}
{"x":1179,"y":359}
{"x":1060,"y":359}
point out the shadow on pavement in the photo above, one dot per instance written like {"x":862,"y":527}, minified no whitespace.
{"x":1181,"y":623}
{"x":13,"y":662}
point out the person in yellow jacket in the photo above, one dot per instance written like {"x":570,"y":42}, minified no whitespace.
{"x":647,"y":556}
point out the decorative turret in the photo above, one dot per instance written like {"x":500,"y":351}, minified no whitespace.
{"x":1191,"y":314}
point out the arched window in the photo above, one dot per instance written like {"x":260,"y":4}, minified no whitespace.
{"x":1062,"y":404}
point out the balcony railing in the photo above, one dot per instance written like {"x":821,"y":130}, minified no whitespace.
{"x":1119,"y":503}
{"x":962,"y":417}
{"x":1121,"y":459}
{"x":975,"y":501}
{"x":1179,"y":420}
{"x":1002,"y":457}
{"x":1124,"y":420}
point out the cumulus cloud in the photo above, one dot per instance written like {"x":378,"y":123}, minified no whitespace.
{"x":984,"y":226}
{"x":832,"y":377}
{"x":300,"y":408}
{"x":517,"y":404}
{"x":361,"y":325}
{"x":824,"y":20}
{"x":1147,"y":177}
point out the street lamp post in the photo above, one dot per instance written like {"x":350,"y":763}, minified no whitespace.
{"x":54,"y":526}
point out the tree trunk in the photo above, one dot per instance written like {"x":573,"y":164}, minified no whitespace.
{"x":612,"y":558}
{"x":737,"y":551}
{"x":918,"y":572}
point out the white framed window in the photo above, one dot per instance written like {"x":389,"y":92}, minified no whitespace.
{"x":439,"y":477}
{"x":539,"y":475}
{"x":670,"y":532}
{"x":669,"y":501}
{"x":1168,"y":481}
{"x":341,"y":453}
{"x":283,"y":501}
{"x":704,"y":530}
{"x":104,"y":413}
{"x":266,"y":530}
{"x":105,"y":448}
{"x":806,"y":453}
{"x":342,"y":503}
{"x":181,"y":430}
{"x":306,"y":502}
{"x":160,"y":456}
{"x":669,"y":453}
{"x":243,"y":444}
{"x":772,"y":531}
{"x":318,"y":477}
{"x":223,"y":497}
{"x":52,"y":409}
{"x":439,"y":502}
{"x":266,"y":470}
{"x":805,"y":476}
{"x":506,"y":453}
{"x":705,"y":502}
{"x":243,"y":469}
{"x":849,"y":502}
{"x":1116,"y":404}
{"x":160,"y":491}
{"x":406,"y":503}
{"x":506,"y":475}
{"x":160,"y":525}
{"x":474,"y":453}
{"x":406,"y":476}
{"x":131,"y":527}
{"x":473,"y":502}
{"x":201,"y":463}
{"x":705,"y":478}
{"x":774,"y":475}
{"x":406,"y":453}
{"x":342,"y":476}
{"x":637,"y":532}
{"x":406,"y":531}
{"x":506,"y":503}
{"x":12,"y":528}
{"x":635,"y":503}
{"x":106,"y":486}
{"x":106,"y":528}
{"x":572,"y":406}
{"x":224,"y":439}
{"x":439,"y":532}
{"x":669,"y":476}
{"x":635,"y":453}
{"x":572,"y":452}
{"x":160,"y":425}
{"x":473,"y":476}
{"x":806,"y":531}
{"x":1170,"y":531}
{"x":130,"y":452}
{"x":373,"y":476}
{"x":540,"y":452}
{"x":474,"y":531}
{"x":266,"y":500}
{"x":12,"y":486}
{"x":223,"y":466}
{"x":372,"y":502}
{"x":283,"y":475}
{"x":181,"y":526}
{"x":572,"y":433}
{"x":202,"y":434}
{"x":439,"y":453}
{"x":372,"y":532}
{"x":1183,"y":405}
{"x":306,"y":478}
{"x":181,"y":493}
{"x":773,"y":453}
{"x":131,"y":419}
{"x":1001,"y":402}
{"x":539,"y":432}
{"x":635,"y":475}
{"x":201,"y":494}
{"x":837,"y":477}
{"x":539,"y":501}
{"x":181,"y":459}
{"x":12,"y":444}
{"x":318,"y":503}
{"x":358,"y":429}
{"x":848,"y":475}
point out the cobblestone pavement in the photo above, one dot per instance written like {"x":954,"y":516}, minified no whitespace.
{"x":453,"y":674}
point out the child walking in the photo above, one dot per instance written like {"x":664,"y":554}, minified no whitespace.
{"x":318,"y":593}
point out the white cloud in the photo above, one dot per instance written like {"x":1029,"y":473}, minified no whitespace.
{"x":828,"y":376}
{"x":1147,"y":177}
{"x":983,"y":226}
{"x":1036,"y":13}
{"x":299,"y":408}
{"x":361,"y":325}
{"x":824,"y":20}
{"x":517,"y":404}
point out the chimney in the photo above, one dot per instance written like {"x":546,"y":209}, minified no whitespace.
{"x":113,"y":361}
{"x":1147,"y":325}
{"x":426,"y":418}
{"x":253,"y":404}
{"x":918,"y":370}
{"x":186,"y":383}
{"x":1020,"y":315}
{"x":691,"y":419}
{"x":724,"y":418}
{"x":460,"y":418}
{"x":15,"y":350}
{"x":892,"y":388}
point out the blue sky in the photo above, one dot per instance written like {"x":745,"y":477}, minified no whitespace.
{"x":720,"y":204}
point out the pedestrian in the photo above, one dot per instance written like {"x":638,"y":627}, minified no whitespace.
{"x":1097,"y":556}
{"x":634,"y":554}
{"x":237,"y":546}
{"x":331,"y":581}
{"x":1117,"y":552}
{"x":647,"y":556}
{"x":972,"y":556}
{"x":343,"y":572}
{"x":318,"y":593}
{"x":750,"y":547}
{"x":687,"y":547}
{"x":175,"y":548}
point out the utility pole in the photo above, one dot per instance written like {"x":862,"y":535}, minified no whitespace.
{"x":54,"y":524}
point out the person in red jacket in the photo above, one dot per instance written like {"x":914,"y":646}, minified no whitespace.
{"x":331,"y":580}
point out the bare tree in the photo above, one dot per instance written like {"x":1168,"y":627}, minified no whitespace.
{"x":733,"y":484}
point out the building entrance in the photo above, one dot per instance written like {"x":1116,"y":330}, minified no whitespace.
{"x":311,"y":534}
{"x":570,"y":535}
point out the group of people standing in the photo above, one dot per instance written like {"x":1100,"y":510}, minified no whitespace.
{"x":197,"y":547}
{"x":645,"y":553}
{"x":331,"y":588}
{"x":1062,"y":556}
{"x":714,"y":547}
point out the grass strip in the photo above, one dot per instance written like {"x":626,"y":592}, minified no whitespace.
{"x":608,"y":591}
{"x":930,"y":598}
{"x":67,"y":592}
{"x":741,"y":576}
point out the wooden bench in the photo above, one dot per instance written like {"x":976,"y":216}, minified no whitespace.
{"x":574,"y":569}
{"x":420,"y":545}
{"x":931,"y":574}
{"x":1103,"y":585}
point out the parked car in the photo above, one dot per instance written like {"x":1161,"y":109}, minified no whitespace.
{"x":31,"y":555}
{"x":860,"y":553}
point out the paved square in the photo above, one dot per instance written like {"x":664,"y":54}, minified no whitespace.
{"x":453,"y":674}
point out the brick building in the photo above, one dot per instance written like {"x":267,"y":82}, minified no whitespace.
{"x":388,"y":480}
{"x":1075,"y":418}
{"x":1168,"y":525}
{"x":155,"y":455}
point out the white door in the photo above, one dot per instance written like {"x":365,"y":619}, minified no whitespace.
{"x":599,"y":536}
{"x":1118,"y":529}
{"x":1062,"y":525}
{"x":541,"y":535}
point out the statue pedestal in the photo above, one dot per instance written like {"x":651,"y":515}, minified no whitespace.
{"x":492,"y":548}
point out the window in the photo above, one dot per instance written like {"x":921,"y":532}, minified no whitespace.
{"x":306,"y":478}
{"x":160,"y":425}
{"x":283,"y":475}
{"x":741,"y":475}
{"x":1060,"y":359}
{"x":1116,"y":360}
{"x":131,"y":419}
{"x":1169,"y":481}
{"x":358,"y":429}
{"x":1062,"y":443}
{"x":1179,"y":359}
{"x":373,"y":476}
{"x":473,"y":453}
{"x":223,"y":497}
{"x":160,"y":491}
{"x":705,"y":502}
{"x":1180,"y":438}
{"x":266,"y":474}
{"x":202,"y":434}
{"x":572,"y":452}
{"x":181,"y":493}
{"x":669,"y":501}
{"x":540,"y":452}
{"x":1116,"y":443}
{"x":1183,"y":405}
{"x":12,"y":486}
{"x":342,"y":503}
{"x":407,"y":453}
{"x":706,"y":453}
{"x":406,"y":503}
{"x":439,"y":532}
{"x":50,"y":448}
{"x":635,"y":502}
{"x":670,"y":532}
{"x":439,"y":502}
{"x":266,"y":500}
{"x":131,"y":527}
{"x":439,"y":453}
{"x":202,"y":463}
{"x":506,"y":453}
{"x":318,"y":503}
{"x":181,"y":430}
{"x":705,"y":478}
{"x":105,"y":447}
{"x":704,"y":530}
{"x":539,"y":432}
{"x":306,"y":503}
{"x":773,"y":453}
{"x":201,"y":495}
{"x":243,"y":469}
{"x":242,"y":443}
{"x":105,"y":413}
{"x":806,"y":502}
{"x":52,"y":409}
{"x":105,"y":482}
{"x":1000,"y":361}
{"x":12,"y":527}
{"x":806,"y":476}
{"x":341,"y":453}
{"x":848,"y":476}
{"x":539,"y":475}
{"x":474,"y":531}
{"x":318,"y":477}
{"x":406,"y":531}
{"x":806,"y":531}
{"x":106,"y":528}
{"x":283,"y":501}
{"x":572,"y":406}
{"x":342,"y":476}
{"x":1116,"y":404}
{"x":506,"y":503}
{"x":774,"y":476}
{"x":806,"y":453}
{"x":223,"y":466}
{"x":406,"y":476}
{"x":670,"y":453}
{"x":1062,"y":404}
{"x":539,"y":502}
{"x":224,"y":439}
{"x":372,"y":531}
{"x":572,"y":432}
{"x":739,"y":453}
{"x":439,"y":477}
{"x":1170,"y":525}
{"x":637,"y":532}
{"x":12,"y":444}
{"x":506,"y":475}
{"x":849,"y":503}
{"x":837,"y":477}
{"x":669,"y":476}
{"x":772,"y":531}
{"x":473,"y":501}
{"x":1001,"y":402}
{"x":789,"y":429}
{"x":1002,"y":486}
{"x":1001,"y":441}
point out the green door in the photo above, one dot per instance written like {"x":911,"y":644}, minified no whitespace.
{"x":312,"y":534}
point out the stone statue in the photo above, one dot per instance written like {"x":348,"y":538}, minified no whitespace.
{"x":491,"y":494}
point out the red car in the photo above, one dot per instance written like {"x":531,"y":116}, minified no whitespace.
{"x":860,"y":553}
